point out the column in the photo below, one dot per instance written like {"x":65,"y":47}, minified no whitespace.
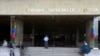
{"x":12,"y":26}
{"x":91,"y":28}
{"x":77,"y":37}
{"x":88,"y":33}
{"x":19,"y":31}
{"x":33,"y":33}
{"x":96,"y":30}
{"x":65,"y":40}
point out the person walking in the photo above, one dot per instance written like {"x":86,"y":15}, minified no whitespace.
{"x":21,"y":48}
{"x":5,"y":43}
{"x":11,"y":46}
{"x":46,"y":39}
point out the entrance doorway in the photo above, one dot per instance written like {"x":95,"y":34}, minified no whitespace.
{"x":59,"y":40}
{"x":4,"y":28}
{"x":62,"y":30}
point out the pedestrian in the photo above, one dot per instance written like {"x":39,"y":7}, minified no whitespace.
{"x":11,"y":46}
{"x":5,"y":43}
{"x":85,"y":49}
{"x":46,"y":39}
{"x":21,"y":48}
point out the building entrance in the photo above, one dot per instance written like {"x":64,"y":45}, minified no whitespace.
{"x":63,"y":31}
{"x":56,"y":40}
{"x":64,"y":40}
{"x":4,"y":29}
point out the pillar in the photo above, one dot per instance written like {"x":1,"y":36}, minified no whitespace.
{"x":19,"y":27}
{"x":88,"y":33}
{"x":96,"y":30}
{"x":65,"y":40}
{"x":12,"y":22}
{"x":89,"y":25}
{"x":19,"y":30}
{"x":33,"y":33}
{"x":77,"y":37}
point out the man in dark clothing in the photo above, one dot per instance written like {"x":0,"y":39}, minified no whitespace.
{"x":11,"y":46}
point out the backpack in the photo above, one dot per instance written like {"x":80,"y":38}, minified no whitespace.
{"x":10,"y":45}
{"x":86,"y":49}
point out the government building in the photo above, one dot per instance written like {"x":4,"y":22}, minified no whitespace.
{"x":66,"y":22}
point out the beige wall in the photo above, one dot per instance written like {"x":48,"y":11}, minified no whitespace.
{"x":49,"y":7}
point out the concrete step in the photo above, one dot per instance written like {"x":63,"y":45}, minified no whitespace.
{"x":51,"y":51}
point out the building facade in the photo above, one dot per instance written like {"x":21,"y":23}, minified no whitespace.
{"x":67,"y":20}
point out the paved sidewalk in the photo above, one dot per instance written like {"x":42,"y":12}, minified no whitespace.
{"x":6,"y":51}
{"x":94,"y":52}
